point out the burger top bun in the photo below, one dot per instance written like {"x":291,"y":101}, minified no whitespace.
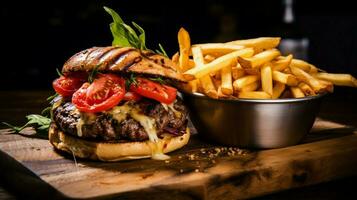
{"x":122,"y":59}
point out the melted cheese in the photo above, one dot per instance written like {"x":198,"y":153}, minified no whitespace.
{"x":120,"y":113}
{"x":55,"y":105}
{"x":155,"y":143}
{"x":177,"y":113}
{"x":79,"y":125}
{"x":171,"y":107}
{"x":85,"y":118}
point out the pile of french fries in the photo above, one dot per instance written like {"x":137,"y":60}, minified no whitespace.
{"x":251,"y":68}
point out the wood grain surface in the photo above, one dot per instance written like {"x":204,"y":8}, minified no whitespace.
{"x":198,"y":171}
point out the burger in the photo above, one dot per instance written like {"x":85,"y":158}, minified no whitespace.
{"x":118,"y":103}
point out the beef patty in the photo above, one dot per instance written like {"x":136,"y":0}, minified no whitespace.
{"x":105,"y":128}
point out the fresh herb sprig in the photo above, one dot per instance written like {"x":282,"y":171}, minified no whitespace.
{"x":126,"y":36}
{"x":41,"y":123}
{"x":161,"y":51}
{"x":93,"y":74}
{"x":159,"y":80}
{"x":123,"y":34}
{"x":131,"y":80}
{"x":50,"y":98}
{"x":59,"y":72}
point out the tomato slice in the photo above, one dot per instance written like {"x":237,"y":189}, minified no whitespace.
{"x":132,"y":96}
{"x":67,"y":85}
{"x":104,"y":93}
{"x":152,"y":90}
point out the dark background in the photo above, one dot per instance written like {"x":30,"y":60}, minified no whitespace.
{"x":38,"y":36}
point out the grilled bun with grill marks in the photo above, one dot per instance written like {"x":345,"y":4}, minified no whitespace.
{"x":122,"y":60}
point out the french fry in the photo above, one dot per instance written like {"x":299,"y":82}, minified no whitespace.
{"x":278,"y":90}
{"x":327,"y":86}
{"x":297,"y":92}
{"x":190,"y":64}
{"x":307,"y":78}
{"x":217,"y":64}
{"x":226,"y":78}
{"x":237,"y":71}
{"x":216,"y":82}
{"x":206,"y":81}
{"x":245,"y":80}
{"x":217,"y":75}
{"x":220,"y":93}
{"x":194,"y":85}
{"x":259,"y":44}
{"x":250,"y":87}
{"x":306,"y":89}
{"x":287,"y":71}
{"x":313,"y":69}
{"x":208,"y":87}
{"x":338,"y":79}
{"x":287,"y":79}
{"x":252,"y":71}
{"x":209,"y":58}
{"x":282,"y":63}
{"x":185,"y":46}
{"x":197,"y":57}
{"x":307,"y":67}
{"x":258,"y":59}
{"x":218,"y":48}
{"x":250,"y":68}
{"x":267,"y":79}
{"x":254,"y":95}
{"x":175,"y":58}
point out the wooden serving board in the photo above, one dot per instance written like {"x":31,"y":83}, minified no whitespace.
{"x":198,"y":171}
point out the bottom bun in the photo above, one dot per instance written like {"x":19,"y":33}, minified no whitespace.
{"x":111,"y":151}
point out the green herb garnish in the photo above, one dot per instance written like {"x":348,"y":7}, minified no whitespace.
{"x":123,"y":34}
{"x":50,"y":98}
{"x":161,"y":51}
{"x":40,"y":123}
{"x":130,"y":80}
{"x":158,"y":79}
{"x":59,"y":72}
{"x":126,"y":36}
{"x":46,"y":112}
{"x":93,"y":74}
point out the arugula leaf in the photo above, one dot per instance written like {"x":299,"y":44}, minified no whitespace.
{"x":59,"y":72}
{"x":130,"y":80}
{"x":162,"y":51}
{"x":50,"y":98}
{"x":141,"y":36}
{"x":42,"y":123}
{"x":93,"y":74}
{"x":117,"y":29}
{"x":158,"y":79}
{"x":46,"y":112}
{"x":132,"y":36}
{"x":123,"y":34}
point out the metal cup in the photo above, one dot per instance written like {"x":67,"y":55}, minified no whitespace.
{"x":253,"y":123}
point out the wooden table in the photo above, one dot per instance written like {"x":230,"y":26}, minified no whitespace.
{"x":339,"y":107}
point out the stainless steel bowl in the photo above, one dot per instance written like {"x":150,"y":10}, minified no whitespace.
{"x":253,"y":123}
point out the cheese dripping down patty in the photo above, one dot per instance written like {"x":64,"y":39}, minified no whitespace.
{"x":120,"y":113}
